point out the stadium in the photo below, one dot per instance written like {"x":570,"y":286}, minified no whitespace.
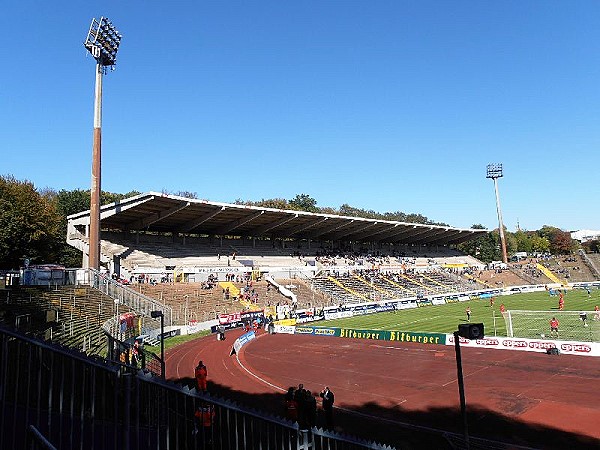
{"x":269,"y":299}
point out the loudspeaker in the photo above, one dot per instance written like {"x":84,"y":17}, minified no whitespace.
{"x":553,"y":351}
{"x":471,"y":330}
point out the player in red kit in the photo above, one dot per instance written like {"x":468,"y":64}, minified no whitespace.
{"x":554,"y":326}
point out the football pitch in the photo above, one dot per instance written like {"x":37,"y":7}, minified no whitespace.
{"x":445,"y":318}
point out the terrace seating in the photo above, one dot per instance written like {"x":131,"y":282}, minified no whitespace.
{"x":81,"y":313}
{"x":307,"y":297}
{"x":190,"y":302}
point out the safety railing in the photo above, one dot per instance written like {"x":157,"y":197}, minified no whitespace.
{"x":76,"y":402}
{"x":123,"y":295}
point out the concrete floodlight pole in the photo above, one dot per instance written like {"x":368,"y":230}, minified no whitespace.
{"x":102,"y":42}
{"x":500,"y":223}
{"x":494,"y":171}
{"x":94,"y":238}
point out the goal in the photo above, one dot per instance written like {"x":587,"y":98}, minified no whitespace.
{"x":536,"y":325}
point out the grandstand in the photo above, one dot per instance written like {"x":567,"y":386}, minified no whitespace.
{"x":162,"y":239}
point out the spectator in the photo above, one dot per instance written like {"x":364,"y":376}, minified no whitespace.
{"x":311,"y":410}
{"x":328,"y":400}
{"x":290,"y":405}
{"x":201,"y":374}
{"x":205,"y":418}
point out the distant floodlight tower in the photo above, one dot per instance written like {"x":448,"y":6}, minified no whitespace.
{"x":494,"y":171}
{"x":102,"y":42}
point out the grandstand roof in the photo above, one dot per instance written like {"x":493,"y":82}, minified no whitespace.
{"x":169,"y":213}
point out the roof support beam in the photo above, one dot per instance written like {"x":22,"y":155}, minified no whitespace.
{"x":404,"y":230}
{"x":237,"y":223}
{"x":410,"y":238}
{"x":348,"y":236}
{"x":428,"y":238}
{"x":300,"y":227}
{"x":147,"y":221}
{"x":456,"y":236}
{"x":269,"y":226}
{"x":336,"y":226}
{"x":186,"y":228}
{"x":370,"y":234}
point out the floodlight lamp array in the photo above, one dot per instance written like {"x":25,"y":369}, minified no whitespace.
{"x":103,"y":41}
{"x":494,"y":170}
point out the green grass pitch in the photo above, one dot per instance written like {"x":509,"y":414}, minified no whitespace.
{"x":445,"y":318}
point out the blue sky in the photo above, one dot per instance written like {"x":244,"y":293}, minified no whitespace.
{"x":384,"y":105}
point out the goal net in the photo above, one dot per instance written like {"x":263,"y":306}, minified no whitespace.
{"x":581,"y":326}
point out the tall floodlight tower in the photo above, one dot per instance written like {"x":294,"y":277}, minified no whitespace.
{"x":494,"y":171}
{"x":102,"y":42}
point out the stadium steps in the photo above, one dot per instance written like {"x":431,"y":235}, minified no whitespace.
{"x":233,"y":290}
{"x":413,"y":281}
{"x":374,"y":286}
{"x":549,"y":274}
{"x":445,"y":287}
{"x":477,"y":280}
{"x":347,"y":289}
{"x":399,"y":286}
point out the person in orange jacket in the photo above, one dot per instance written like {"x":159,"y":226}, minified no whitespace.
{"x":205,"y":421}
{"x":201,"y":375}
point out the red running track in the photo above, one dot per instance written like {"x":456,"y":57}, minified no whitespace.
{"x":414,"y":383}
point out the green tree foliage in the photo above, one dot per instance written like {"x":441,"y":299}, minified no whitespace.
{"x":276,"y":203}
{"x":592,"y":246}
{"x":304,"y":202}
{"x":523,"y":241}
{"x":186,"y":194}
{"x":29,"y":225}
{"x":539,"y":244}
{"x":561,"y":243}
{"x":486,"y":247}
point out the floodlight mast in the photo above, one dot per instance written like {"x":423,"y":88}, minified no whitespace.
{"x":494,"y":171}
{"x":102,"y":42}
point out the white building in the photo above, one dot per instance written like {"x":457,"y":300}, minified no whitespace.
{"x":585,"y":235}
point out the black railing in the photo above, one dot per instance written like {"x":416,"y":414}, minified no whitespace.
{"x":76,"y":402}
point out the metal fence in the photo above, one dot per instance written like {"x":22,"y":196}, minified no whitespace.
{"x":71,"y":401}
{"x":123,"y":295}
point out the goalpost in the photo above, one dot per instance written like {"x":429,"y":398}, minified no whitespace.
{"x":581,"y":326}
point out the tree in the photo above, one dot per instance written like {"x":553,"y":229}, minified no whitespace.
{"x":540,"y":244}
{"x":561,"y":243}
{"x":486,"y":247}
{"x":304,"y":202}
{"x":75,"y":201}
{"x":186,"y":194}
{"x":29,"y":225}
{"x":523,"y":241}
{"x":275,"y":203}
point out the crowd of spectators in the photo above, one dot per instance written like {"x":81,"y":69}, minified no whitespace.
{"x":211,"y":282}
{"x":300,"y":405}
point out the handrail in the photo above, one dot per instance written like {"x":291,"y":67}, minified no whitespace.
{"x":589,"y":263}
{"x":124,"y":295}
{"x":40,"y":439}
